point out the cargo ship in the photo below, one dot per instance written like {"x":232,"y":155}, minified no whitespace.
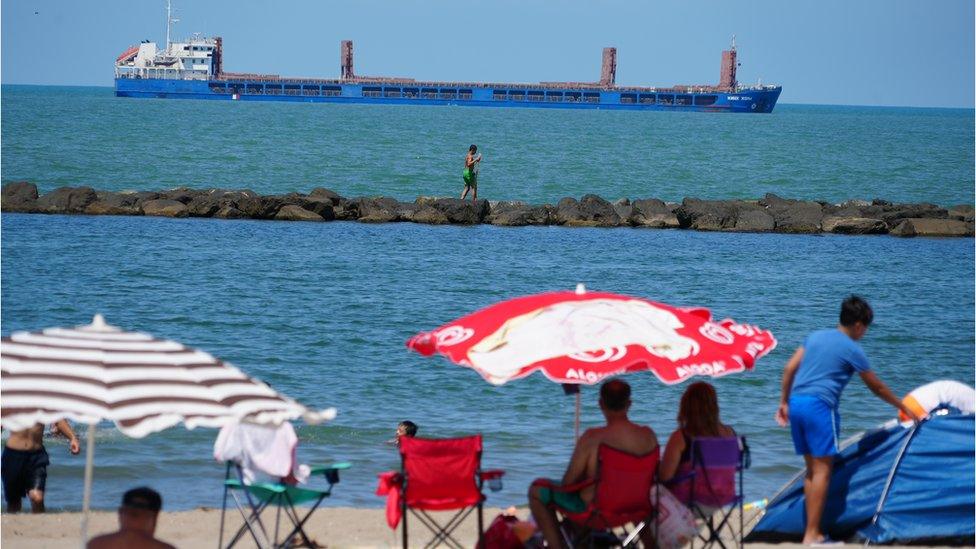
{"x":193,"y":69}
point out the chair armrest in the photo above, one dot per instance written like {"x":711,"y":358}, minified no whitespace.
{"x":679,"y":478}
{"x":321,"y":469}
{"x":330,"y":472}
{"x":556,"y":487}
{"x":489,"y":474}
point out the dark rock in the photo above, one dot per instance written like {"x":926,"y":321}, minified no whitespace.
{"x":793,"y":216}
{"x":67,"y":200}
{"x":624,"y":210}
{"x":229,"y":212}
{"x":962,"y":212}
{"x":208,"y":203}
{"x":346,"y":210}
{"x":406,"y":211}
{"x":429,"y":215}
{"x":895,"y":213}
{"x":183,"y":194}
{"x":517,"y":214}
{"x":260,"y":207}
{"x":752,"y":218}
{"x":329,"y":195}
{"x":164,"y":207}
{"x":19,"y":196}
{"x":457,"y":211}
{"x":110,"y":203}
{"x":651,"y":212}
{"x":591,"y":211}
{"x":854,"y":225}
{"x":293,"y":212}
{"x":933,"y":227}
{"x":380,"y":209}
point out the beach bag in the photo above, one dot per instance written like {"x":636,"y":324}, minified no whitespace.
{"x":675,"y":524}
{"x":501,"y":534}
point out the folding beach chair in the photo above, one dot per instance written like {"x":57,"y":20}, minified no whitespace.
{"x":623,"y":486}
{"x":713,"y":487}
{"x":253,"y":498}
{"x":443,"y":475}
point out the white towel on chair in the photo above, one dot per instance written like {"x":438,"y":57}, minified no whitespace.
{"x":261,"y":450}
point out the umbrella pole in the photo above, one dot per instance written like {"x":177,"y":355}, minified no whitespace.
{"x":86,"y":498}
{"x":578,"y":398}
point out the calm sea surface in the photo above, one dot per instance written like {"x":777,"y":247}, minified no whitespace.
{"x":321,"y":311}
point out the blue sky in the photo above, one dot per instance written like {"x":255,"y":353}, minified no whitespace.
{"x":874,"y":52}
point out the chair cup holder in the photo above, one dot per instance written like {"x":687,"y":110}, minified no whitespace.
{"x":332,"y":475}
{"x":495,"y":484}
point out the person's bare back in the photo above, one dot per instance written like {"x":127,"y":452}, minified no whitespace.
{"x":127,"y":540}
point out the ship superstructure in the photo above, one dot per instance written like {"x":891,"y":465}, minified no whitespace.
{"x":193,"y":69}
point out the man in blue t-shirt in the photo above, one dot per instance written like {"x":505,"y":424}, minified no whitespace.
{"x":813,"y":380}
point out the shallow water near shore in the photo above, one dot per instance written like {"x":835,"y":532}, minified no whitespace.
{"x":322,"y":311}
{"x":59,"y":136}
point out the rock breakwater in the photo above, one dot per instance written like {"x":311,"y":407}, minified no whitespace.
{"x":768,"y":214}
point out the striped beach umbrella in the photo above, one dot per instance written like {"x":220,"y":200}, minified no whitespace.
{"x":143,"y":384}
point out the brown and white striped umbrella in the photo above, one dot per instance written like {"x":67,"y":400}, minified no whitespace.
{"x":143,"y":384}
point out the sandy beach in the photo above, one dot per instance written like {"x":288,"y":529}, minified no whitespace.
{"x":334,"y":527}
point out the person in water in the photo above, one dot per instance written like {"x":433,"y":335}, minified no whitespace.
{"x":813,"y":380}
{"x":619,"y":433}
{"x":137,"y":523}
{"x":24,"y":465}
{"x":406,"y":428}
{"x":470,"y":173}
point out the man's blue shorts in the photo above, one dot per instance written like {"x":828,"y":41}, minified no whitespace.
{"x":815,"y":426}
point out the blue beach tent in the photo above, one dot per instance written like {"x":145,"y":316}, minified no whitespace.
{"x":905,"y":485}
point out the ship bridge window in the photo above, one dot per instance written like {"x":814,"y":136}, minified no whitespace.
{"x":516,"y":95}
{"x":682,"y":100}
{"x":448,"y":94}
{"x":554,"y":96}
{"x":428,"y":93}
{"x":705,"y":99}
{"x":498,"y":95}
{"x":371,"y":91}
{"x":665,"y":99}
{"x":391,"y":92}
{"x":628,"y":98}
{"x":411,"y":93}
{"x":647,"y":98}
{"x":331,"y":91}
{"x":591,"y":97}
{"x":464,"y":94}
{"x":573,"y":97}
{"x":535,"y":95}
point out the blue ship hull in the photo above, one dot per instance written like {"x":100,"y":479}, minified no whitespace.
{"x":441,"y":93}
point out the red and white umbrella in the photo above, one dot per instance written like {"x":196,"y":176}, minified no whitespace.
{"x":99,"y":372}
{"x":582,"y":337}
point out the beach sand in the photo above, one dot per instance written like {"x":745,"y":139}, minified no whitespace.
{"x":334,"y":527}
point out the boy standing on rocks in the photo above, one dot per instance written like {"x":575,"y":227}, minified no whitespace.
{"x":470,"y":173}
{"x":813,"y":380}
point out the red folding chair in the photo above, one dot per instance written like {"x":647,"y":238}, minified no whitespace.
{"x":623,"y":486}
{"x":709,"y":487}
{"x":443,"y":475}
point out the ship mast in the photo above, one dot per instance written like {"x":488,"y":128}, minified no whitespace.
{"x":169,"y":22}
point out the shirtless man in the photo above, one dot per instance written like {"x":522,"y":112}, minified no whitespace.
{"x":137,"y":523}
{"x":24,"y":465}
{"x":619,"y":433}
{"x":470,"y":173}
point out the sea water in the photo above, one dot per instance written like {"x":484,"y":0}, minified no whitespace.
{"x":321,"y":311}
